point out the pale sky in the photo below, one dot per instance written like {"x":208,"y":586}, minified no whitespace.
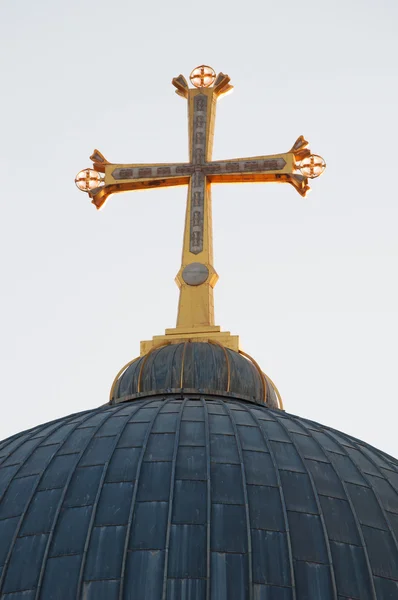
{"x":309,"y":284}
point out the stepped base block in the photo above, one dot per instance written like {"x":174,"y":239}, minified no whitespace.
{"x":197,"y":334}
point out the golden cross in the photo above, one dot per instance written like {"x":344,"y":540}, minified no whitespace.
{"x":197,"y":276}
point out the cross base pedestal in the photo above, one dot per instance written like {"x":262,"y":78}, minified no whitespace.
{"x":197,"y":334}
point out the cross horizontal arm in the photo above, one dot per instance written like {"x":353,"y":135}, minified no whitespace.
{"x":292,"y":167}
{"x":145,"y":172}
{"x":253,"y":164}
{"x":278,"y":168}
{"x":100,"y":195}
{"x":129,"y":177}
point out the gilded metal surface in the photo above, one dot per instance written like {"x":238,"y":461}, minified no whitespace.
{"x":281,"y":406}
{"x":122,"y":370}
{"x":263,"y":380}
{"x":87,"y":180}
{"x":227,"y":361}
{"x":312,"y":166}
{"x":202,"y":76}
{"x":183,"y":365}
{"x":193,"y":334}
{"x":145,"y":360}
{"x":196,"y":303}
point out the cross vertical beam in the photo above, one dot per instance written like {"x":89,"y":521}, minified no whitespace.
{"x":197,"y":276}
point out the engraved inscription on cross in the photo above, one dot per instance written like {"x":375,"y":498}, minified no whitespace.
{"x":197,"y":275}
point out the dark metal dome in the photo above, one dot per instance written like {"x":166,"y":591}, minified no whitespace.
{"x":195,"y":497}
{"x":192,"y":366}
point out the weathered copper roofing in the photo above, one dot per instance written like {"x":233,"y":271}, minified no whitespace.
{"x":195,"y":497}
{"x":188,"y":366}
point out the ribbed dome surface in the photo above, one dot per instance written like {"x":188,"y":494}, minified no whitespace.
{"x":195,"y":498}
{"x":203,"y":366}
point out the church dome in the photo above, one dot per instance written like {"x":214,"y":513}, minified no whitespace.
{"x":193,"y":483}
{"x":191,"y":497}
{"x":205,"y":366}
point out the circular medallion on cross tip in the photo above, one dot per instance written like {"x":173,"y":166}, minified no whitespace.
{"x":195,"y":274}
{"x":87,"y":180}
{"x":312,"y":166}
{"x":202,"y":76}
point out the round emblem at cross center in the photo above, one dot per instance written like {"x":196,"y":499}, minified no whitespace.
{"x":195,"y":274}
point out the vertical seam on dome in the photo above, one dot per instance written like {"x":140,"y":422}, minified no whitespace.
{"x":182,"y":365}
{"x":45,"y":555}
{"x":62,"y":498}
{"x":133,"y":499}
{"x":208,"y":500}
{"x":151,"y":376}
{"x":215,"y":343}
{"x":144,"y":363}
{"x":245,"y":498}
{"x":353,"y":511}
{"x":364,"y":475}
{"x":98,"y":495}
{"x":386,"y":457}
{"x":11,"y":438}
{"x":132,"y":384}
{"x":257,"y":366}
{"x":228,"y":369}
{"x":172,"y":355}
{"x":25,"y":437}
{"x":34,"y":489}
{"x":282,"y":497}
{"x":279,"y":397}
{"x":316,"y":496}
{"x":171,"y":499}
{"x":139,"y":383}
{"x":358,"y":446}
{"x":213,"y":377}
{"x":116,"y":382}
